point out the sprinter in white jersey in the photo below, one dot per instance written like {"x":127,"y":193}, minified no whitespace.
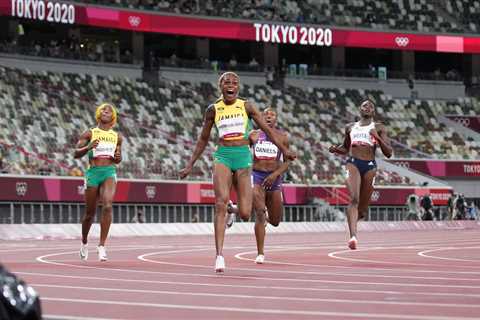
{"x":359,"y":144}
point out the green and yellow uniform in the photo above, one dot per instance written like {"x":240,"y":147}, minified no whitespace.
{"x":106,"y":147}
{"x":232,"y":123}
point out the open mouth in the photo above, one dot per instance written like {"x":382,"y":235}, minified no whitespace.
{"x":230,"y":91}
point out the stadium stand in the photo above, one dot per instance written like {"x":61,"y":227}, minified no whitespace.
{"x":423,"y":15}
{"x":56,"y":107}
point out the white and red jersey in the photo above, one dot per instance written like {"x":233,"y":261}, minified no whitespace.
{"x":265,"y":149}
{"x":360,"y":135}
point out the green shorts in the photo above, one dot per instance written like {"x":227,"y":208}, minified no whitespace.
{"x":95,"y":176}
{"x":235,"y":158}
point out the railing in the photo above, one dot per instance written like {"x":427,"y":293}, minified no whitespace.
{"x":48,"y":212}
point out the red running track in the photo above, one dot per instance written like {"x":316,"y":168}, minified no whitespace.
{"x":394,"y":275}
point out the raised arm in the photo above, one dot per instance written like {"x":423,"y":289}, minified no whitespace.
{"x":84,"y":144}
{"x":202,"y":141}
{"x":253,"y":112}
{"x":380,"y":134}
{"x":345,"y":146}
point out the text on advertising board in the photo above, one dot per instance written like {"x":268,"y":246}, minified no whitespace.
{"x":288,"y":34}
{"x":44,"y":11}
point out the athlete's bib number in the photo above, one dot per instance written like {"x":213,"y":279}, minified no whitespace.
{"x":265,"y":150}
{"x":231,"y":128}
{"x":104,"y":150}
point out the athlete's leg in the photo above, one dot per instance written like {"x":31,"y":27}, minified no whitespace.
{"x":107,"y":192}
{"x":366,"y":190}
{"x":259,"y":207}
{"x":222,"y":182}
{"x":353,"y":185}
{"x":90,"y":210}
{"x":275,"y":207}
{"x":244,"y":192}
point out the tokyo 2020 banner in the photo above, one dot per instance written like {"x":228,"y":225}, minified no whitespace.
{"x":442,"y":168}
{"x":281,"y":33}
{"x":59,"y":189}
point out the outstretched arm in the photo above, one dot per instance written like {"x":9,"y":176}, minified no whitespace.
{"x":84,"y":144}
{"x":276,"y":138}
{"x":380,"y":134}
{"x":201,"y":142}
{"x":345,"y":146}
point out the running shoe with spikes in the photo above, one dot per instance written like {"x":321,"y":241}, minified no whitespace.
{"x":84,"y":251}
{"x":352,"y":243}
{"x":219,"y":264}
{"x":260,"y":259}
{"x":102,"y":253}
{"x":231,"y":215}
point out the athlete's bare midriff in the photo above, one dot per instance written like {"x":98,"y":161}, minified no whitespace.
{"x":266,"y":165}
{"x":233,"y":143}
{"x":101,"y":162}
{"x":362,"y":152}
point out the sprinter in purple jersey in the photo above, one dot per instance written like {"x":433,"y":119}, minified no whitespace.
{"x":267,"y":176}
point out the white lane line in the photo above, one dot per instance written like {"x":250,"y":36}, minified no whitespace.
{"x":220,"y":285}
{"x":336,"y":255}
{"x":241,"y":255}
{"x":258,"y":310}
{"x":261,"y":297}
{"x":426,"y":255}
{"x":65,"y":317}
{"x":260,"y":278}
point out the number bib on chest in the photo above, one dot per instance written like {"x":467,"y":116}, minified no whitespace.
{"x":265,"y":150}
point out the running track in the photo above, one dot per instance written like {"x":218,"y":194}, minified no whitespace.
{"x":416,"y":275}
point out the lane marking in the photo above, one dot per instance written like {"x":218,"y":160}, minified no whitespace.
{"x":258,"y":310}
{"x":426,"y":255}
{"x":262,"y":297}
{"x":220,"y":285}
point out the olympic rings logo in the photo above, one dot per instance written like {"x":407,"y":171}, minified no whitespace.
{"x":403,"y":164}
{"x":150,"y":191}
{"x":21,"y":188}
{"x":134,"y":21}
{"x":463,"y":121}
{"x":402,"y":41}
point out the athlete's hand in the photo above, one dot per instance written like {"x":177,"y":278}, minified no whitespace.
{"x":185,"y":172}
{"x":290,"y":155}
{"x":117,"y":157}
{"x":333,"y":149}
{"x":93,"y":144}
{"x":268,"y":181}
{"x":253,"y":136}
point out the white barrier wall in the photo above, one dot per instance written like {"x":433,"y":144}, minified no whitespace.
{"x":73,"y":231}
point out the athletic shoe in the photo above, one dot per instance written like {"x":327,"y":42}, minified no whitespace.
{"x":102,"y":253}
{"x":352,"y":243}
{"x":84,"y":251}
{"x":230,"y":214}
{"x":219,"y":264}
{"x":260,"y":259}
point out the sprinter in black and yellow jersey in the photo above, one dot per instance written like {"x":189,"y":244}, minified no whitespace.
{"x":103,"y":146}
{"x":233,"y":160}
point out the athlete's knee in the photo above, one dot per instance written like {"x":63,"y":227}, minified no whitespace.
{"x":107,"y":207}
{"x":260,"y":215}
{"x":221,"y":203}
{"x":354,"y":201}
{"x":244,"y":213}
